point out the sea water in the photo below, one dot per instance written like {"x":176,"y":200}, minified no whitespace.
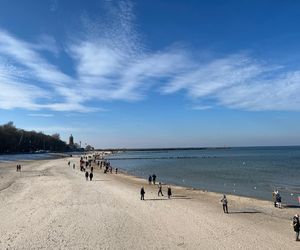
{"x":252,"y":172}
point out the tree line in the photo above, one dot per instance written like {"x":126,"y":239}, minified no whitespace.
{"x":14,"y":140}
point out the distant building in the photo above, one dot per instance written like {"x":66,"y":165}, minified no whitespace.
{"x":89,"y":148}
{"x":71,"y":140}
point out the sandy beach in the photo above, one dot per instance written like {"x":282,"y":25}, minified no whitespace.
{"x":51,"y":206}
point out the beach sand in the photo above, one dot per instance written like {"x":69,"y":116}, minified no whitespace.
{"x":51,"y":206}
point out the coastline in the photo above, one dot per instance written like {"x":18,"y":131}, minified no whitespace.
{"x":254,"y":173}
{"x":249,"y":204}
{"x":49,"y":205}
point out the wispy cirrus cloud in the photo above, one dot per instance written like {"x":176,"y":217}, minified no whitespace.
{"x":201,"y":107}
{"x":46,"y":42}
{"x":17,"y":92}
{"x":40,"y":115}
{"x":29,"y":81}
{"x":111,"y":63}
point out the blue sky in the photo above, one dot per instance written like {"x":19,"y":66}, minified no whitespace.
{"x":153,"y":73}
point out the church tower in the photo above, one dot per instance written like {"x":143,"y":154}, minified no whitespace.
{"x":71,"y":140}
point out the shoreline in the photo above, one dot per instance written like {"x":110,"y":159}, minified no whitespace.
{"x":249,"y":203}
{"x":253,"y":174}
{"x":266,"y":205}
{"x":145,"y":180}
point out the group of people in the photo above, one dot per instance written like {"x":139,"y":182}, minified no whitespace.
{"x":87,"y":175}
{"x":106,"y":166}
{"x":87,"y":161}
{"x":160,"y":193}
{"x":69,"y":164}
{"x":18,"y":168}
{"x":152,"y":178}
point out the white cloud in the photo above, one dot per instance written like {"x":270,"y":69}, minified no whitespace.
{"x":110,"y":63}
{"x":46,"y":42}
{"x":240,"y":82}
{"x":204,"y":107}
{"x":40,"y":115}
{"x":16,"y":93}
{"x":24,"y":54}
{"x":33,"y":82}
{"x":280,"y":93}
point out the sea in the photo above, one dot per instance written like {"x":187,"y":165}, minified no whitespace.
{"x":246,"y":171}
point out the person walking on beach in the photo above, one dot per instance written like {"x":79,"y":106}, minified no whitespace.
{"x":169,"y":192}
{"x":278,"y":199}
{"x":142,"y":193}
{"x":91,"y":176}
{"x":87,"y":175}
{"x":154,"y":178}
{"x":296,"y":226}
{"x":160,"y":189}
{"x":225,"y":204}
{"x":92,"y":169}
{"x":73,"y":165}
{"x":150,"y":179}
{"x":116,"y":170}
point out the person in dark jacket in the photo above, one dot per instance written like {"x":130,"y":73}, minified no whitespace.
{"x":278,"y":200}
{"x":160,"y":190}
{"x":91,"y":176}
{"x":142,"y":193}
{"x":169,"y":192}
{"x":150,"y":179}
{"x":87,"y":175}
{"x":225,"y":204}
{"x":154,"y":178}
{"x":296,"y":226}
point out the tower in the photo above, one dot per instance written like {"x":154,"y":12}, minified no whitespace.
{"x":71,"y":140}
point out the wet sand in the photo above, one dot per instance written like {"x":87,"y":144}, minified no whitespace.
{"x":51,"y":206}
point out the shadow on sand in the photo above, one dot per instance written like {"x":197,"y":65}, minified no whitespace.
{"x":172,"y":198}
{"x":245,"y":212}
{"x":291,"y":206}
{"x":180,"y":197}
{"x":101,"y":180}
{"x":158,"y":199}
